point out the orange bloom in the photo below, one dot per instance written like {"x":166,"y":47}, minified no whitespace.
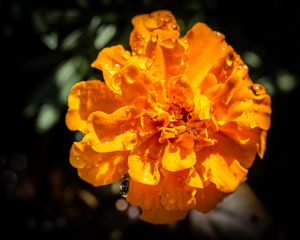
{"x":178,"y":116}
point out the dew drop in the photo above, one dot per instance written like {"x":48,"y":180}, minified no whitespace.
{"x":154,"y":37}
{"x":139,"y":51}
{"x":258,"y":89}
{"x":197,"y":147}
{"x":142,"y":66}
{"x":77,"y":161}
{"x":167,"y":18}
{"x":173,"y":147}
{"x":229,"y":59}
{"x":149,"y":63}
{"x":126,"y":55}
{"x":125,"y":185}
{"x":78,"y":93}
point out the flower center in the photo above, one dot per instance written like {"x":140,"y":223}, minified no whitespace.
{"x":179,"y":119}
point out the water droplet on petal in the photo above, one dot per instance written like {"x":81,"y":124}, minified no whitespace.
{"x":77,"y":161}
{"x":197,"y":147}
{"x":142,"y":66}
{"x":154,"y":37}
{"x":125,"y":185}
{"x":258,"y":89}
{"x":140,"y":51}
{"x":169,"y":43}
{"x":78,"y":93}
{"x":126,"y":55}
{"x":149,"y":63}
{"x":173,"y":147}
{"x":229,"y":59}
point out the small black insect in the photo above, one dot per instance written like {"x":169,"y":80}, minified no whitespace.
{"x":125,"y":185}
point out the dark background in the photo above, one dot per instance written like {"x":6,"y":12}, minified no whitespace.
{"x":46,"y":46}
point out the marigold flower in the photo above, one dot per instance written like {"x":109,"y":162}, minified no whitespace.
{"x":178,"y":116}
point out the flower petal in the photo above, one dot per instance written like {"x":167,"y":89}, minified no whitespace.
{"x":206,"y":47}
{"x":208,"y":198}
{"x":195,"y":179}
{"x":222,"y":164}
{"x":87,"y":97}
{"x":237,"y":101}
{"x":110,"y":60}
{"x":145,"y":24}
{"x":164,"y":55}
{"x":98,"y":168}
{"x":250,"y":141}
{"x":162,"y":216}
{"x":179,"y":90}
{"x":148,"y":199}
{"x":132,"y":83}
{"x":107,"y":126}
{"x":122,"y":142}
{"x":176,"y":159}
{"x":137,"y":197}
{"x":144,"y":161}
{"x":257,"y":113}
{"x":175,"y":194}
{"x":202,"y":106}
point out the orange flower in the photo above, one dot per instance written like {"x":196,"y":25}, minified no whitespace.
{"x":179,"y":115}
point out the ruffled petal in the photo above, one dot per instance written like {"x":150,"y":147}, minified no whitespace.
{"x":144,"y":161}
{"x":208,"y":198}
{"x":98,"y":168}
{"x":226,"y":177}
{"x":123,"y":142}
{"x":87,"y":97}
{"x":131,"y":83}
{"x":176,"y":159}
{"x":206,"y":47}
{"x":255,"y":113}
{"x":180,"y":91}
{"x":145,"y":24}
{"x":107,"y":127}
{"x":162,"y":216}
{"x":110,"y":60}
{"x":175,"y":194}
{"x":195,"y":179}
{"x":237,"y":100}
{"x":164,"y":55}
{"x":202,"y":105}
{"x":147,"y":197}
{"x":250,"y":141}
{"x":230,"y":65}
{"x":222,"y":166}
{"x":143,"y":195}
